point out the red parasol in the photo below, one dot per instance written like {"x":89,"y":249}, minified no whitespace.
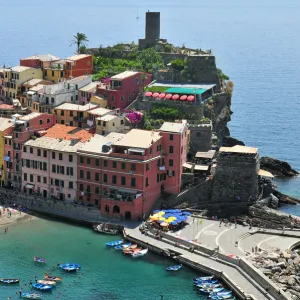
{"x":183,"y":98}
{"x":162,"y":95}
{"x":148,"y":94}
{"x":175,"y":97}
{"x":155,"y":95}
{"x":191,"y":98}
{"x":169,"y":96}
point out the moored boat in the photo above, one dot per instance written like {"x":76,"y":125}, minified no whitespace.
{"x":53,"y":278}
{"x":39,"y":260}
{"x":129,"y":251}
{"x":9,"y":280}
{"x":211,"y":290}
{"x":174,"y":268}
{"x":124,"y":246}
{"x":205,"y":278}
{"x":47,"y":282}
{"x":140,"y":253}
{"x":70,"y":267}
{"x":203,"y":286}
{"x":30,"y":295}
{"x":104,"y":229}
{"x":42,"y":287}
{"x":207,"y":282}
{"x":114,"y":243}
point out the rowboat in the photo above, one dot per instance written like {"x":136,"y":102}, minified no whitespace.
{"x":211,"y":290}
{"x":39,"y":260}
{"x":129,"y":251}
{"x":140,"y":253}
{"x":47,"y":282}
{"x":205,"y":278}
{"x":9,"y":280}
{"x":114,"y":243}
{"x":42,"y":287}
{"x":102,"y":229}
{"x":174,"y":268}
{"x":124,"y":246}
{"x":52,"y":278}
{"x":69,"y":267}
{"x":29,"y":295}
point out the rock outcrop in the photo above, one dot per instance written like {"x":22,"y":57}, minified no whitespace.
{"x":285,"y":199}
{"x":282,"y":267}
{"x":277,"y":167}
{"x":229,"y":141}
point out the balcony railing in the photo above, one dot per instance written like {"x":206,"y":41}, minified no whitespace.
{"x":123,"y":196}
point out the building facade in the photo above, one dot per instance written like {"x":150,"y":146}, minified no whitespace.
{"x":123,"y":88}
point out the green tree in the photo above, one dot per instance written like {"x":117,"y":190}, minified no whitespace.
{"x":150,"y":60}
{"x":80,"y":40}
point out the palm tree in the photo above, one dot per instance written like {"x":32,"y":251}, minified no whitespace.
{"x":80,"y":40}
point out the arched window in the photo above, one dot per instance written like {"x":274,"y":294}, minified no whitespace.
{"x":116,"y":209}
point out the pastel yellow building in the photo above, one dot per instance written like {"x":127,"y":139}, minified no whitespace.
{"x":111,"y":123}
{"x":73,"y":114}
{"x":5,"y":129}
{"x":16,"y":76}
{"x":99,"y":101}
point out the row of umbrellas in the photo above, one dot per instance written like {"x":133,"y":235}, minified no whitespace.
{"x":167,"y":217}
{"x":170,"y":96}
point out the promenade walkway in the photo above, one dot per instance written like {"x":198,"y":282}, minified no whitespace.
{"x":245,"y":284}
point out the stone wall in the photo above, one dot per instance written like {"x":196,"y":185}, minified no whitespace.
{"x":200,"y":138}
{"x":236,"y":179}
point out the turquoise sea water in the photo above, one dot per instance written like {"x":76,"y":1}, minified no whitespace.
{"x":107,"y":273}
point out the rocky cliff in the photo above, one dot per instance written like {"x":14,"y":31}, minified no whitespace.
{"x":277,"y":167}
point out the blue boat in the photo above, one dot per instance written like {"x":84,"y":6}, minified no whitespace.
{"x":207,"y":286}
{"x":208,"y":282}
{"x":211,"y":290}
{"x":229,"y":296}
{"x":39,"y":260}
{"x":221,"y":295}
{"x":119,"y":247}
{"x":9,"y":280}
{"x":174,"y":268}
{"x":70,"y":267}
{"x":29,"y":295}
{"x":42,"y":287}
{"x":205,"y":278}
{"x":114,"y":243}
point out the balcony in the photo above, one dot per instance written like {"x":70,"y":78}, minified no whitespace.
{"x":122,"y":195}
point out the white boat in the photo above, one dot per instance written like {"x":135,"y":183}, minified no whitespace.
{"x":47,"y":282}
{"x":140,"y":253}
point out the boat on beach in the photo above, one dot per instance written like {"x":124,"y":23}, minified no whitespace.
{"x":39,"y":260}
{"x":9,"y":280}
{"x":29,"y":295}
{"x":102,"y":228}
{"x":140,"y":253}
{"x":47,"y":282}
{"x":52,"y":278}
{"x":174,"y":268}
{"x":42,"y":287}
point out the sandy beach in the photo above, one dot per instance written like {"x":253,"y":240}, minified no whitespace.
{"x":16,"y":216}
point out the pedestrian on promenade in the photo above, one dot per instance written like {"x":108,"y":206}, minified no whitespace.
{"x":220,"y":223}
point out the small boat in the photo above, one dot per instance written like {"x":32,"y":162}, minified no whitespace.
{"x":208,"y":282}
{"x":174,"y":268}
{"x":203,"y":286}
{"x":205,"y":278}
{"x":52,"y":278}
{"x":9,"y":280}
{"x":42,"y":287}
{"x":211,"y":290}
{"x":114,"y":243}
{"x":217,"y":297}
{"x":29,"y":295}
{"x":47,"y":282}
{"x":124,"y":246}
{"x":39,"y":260}
{"x":104,"y":229}
{"x":69,"y":267}
{"x":129,"y":251}
{"x":134,"y":246}
{"x":139,"y":253}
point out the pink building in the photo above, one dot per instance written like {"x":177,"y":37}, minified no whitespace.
{"x":24,"y":127}
{"x":87,"y":92}
{"x":123,"y":88}
{"x":49,"y":163}
{"x":125,"y":174}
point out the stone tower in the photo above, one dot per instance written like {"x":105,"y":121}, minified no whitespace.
{"x":235,"y":183}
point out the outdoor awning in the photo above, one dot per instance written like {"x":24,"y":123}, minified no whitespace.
{"x":138,"y":150}
{"x":201,"y":167}
{"x":29,"y":186}
{"x":265,"y":173}
{"x":188,"y":166}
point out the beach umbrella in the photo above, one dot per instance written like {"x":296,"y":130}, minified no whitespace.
{"x":186,"y":213}
{"x":156,"y":211}
{"x":149,"y":221}
{"x":161,"y":213}
{"x":172,"y":218}
{"x":183,"y":97}
{"x":148,"y":94}
{"x":155,"y":95}
{"x":162,"y":95}
{"x":164,"y":224}
{"x":175,"y":97}
{"x":168,"y":96}
{"x":161,"y":218}
{"x":174,"y":223}
{"x":161,"y":221}
{"x":191,"y":98}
